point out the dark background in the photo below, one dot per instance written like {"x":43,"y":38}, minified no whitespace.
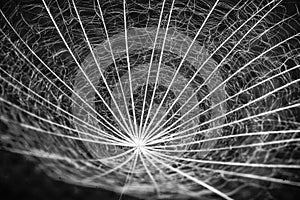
{"x":20,"y":179}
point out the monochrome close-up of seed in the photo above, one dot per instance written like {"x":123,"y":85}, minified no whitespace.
{"x":150,"y":99}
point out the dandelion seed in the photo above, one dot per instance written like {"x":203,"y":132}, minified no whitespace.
{"x":168,"y":99}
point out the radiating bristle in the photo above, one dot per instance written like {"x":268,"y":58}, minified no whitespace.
{"x":168,"y":99}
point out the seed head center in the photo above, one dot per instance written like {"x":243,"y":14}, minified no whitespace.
{"x":140,"y":144}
